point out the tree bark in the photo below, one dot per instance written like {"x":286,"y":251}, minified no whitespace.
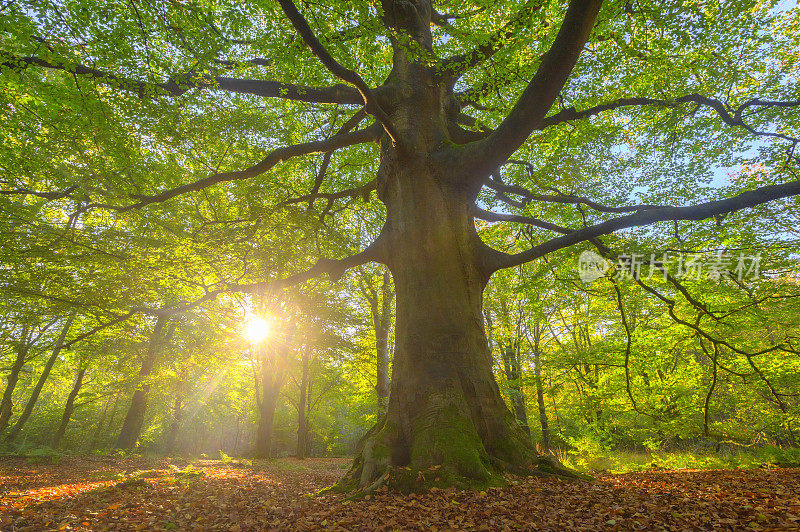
{"x":134,"y":419}
{"x":69,"y":408}
{"x":48,"y":366}
{"x":7,"y":403}
{"x":269,"y":402}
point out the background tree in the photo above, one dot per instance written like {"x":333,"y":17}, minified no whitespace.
{"x":380,"y":298}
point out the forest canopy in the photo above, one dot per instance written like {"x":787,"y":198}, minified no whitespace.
{"x":451,"y":235}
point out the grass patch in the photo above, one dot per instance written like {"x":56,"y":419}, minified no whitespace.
{"x":627,"y":462}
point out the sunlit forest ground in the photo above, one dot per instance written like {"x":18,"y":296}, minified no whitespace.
{"x":115,"y":492}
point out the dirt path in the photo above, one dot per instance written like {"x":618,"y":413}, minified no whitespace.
{"x":105,"y":493}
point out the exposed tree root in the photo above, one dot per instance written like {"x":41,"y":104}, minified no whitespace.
{"x":446,"y":452}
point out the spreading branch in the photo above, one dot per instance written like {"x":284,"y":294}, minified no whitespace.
{"x":334,"y":268}
{"x":518,"y":218}
{"x":345,"y":74}
{"x":453,"y":67}
{"x":363,"y":191}
{"x":349,"y":125}
{"x":55,"y":195}
{"x":276,"y":156}
{"x":701,"y":211}
{"x":537,"y":98}
{"x":502,"y":189}
{"x":730,"y":116}
{"x":178,"y":85}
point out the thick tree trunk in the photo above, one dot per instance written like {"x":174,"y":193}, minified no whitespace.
{"x":134,"y":419}
{"x":446,"y":420}
{"x":48,"y":366}
{"x":7,"y":403}
{"x":69,"y":408}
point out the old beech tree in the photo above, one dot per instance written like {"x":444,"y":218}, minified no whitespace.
{"x":410,"y":77}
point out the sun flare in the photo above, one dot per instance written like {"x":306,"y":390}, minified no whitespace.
{"x":256,"y":329}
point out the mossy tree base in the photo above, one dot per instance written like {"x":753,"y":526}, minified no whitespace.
{"x":446,"y":451}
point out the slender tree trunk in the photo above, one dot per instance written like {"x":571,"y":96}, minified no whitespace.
{"x":48,"y":366}
{"x":514,"y":376}
{"x":7,"y":403}
{"x":383,"y":325}
{"x":380,"y":306}
{"x":537,"y":376}
{"x":273,"y":377}
{"x":99,"y":428}
{"x":69,"y":407}
{"x":302,"y":420}
{"x":238,"y":435}
{"x":269,"y":402}
{"x":172,"y":431}
{"x":309,"y":437}
{"x":134,"y":419}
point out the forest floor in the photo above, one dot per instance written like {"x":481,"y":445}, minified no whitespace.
{"x":112,"y":493}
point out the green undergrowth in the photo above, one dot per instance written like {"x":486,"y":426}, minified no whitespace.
{"x":627,"y":462}
{"x":34,"y":455}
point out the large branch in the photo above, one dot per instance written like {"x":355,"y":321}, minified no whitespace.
{"x":345,"y":74}
{"x":278,"y":155}
{"x":453,"y":67}
{"x":731,"y":117}
{"x":176,"y":86}
{"x":56,"y":195}
{"x":537,"y":98}
{"x":502,"y":189}
{"x":363,"y":191}
{"x":349,"y":125}
{"x":701,"y":211}
{"x":334,"y":268}
{"x":490,"y":216}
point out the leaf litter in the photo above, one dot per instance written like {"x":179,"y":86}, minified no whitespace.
{"x":111,"y":493}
